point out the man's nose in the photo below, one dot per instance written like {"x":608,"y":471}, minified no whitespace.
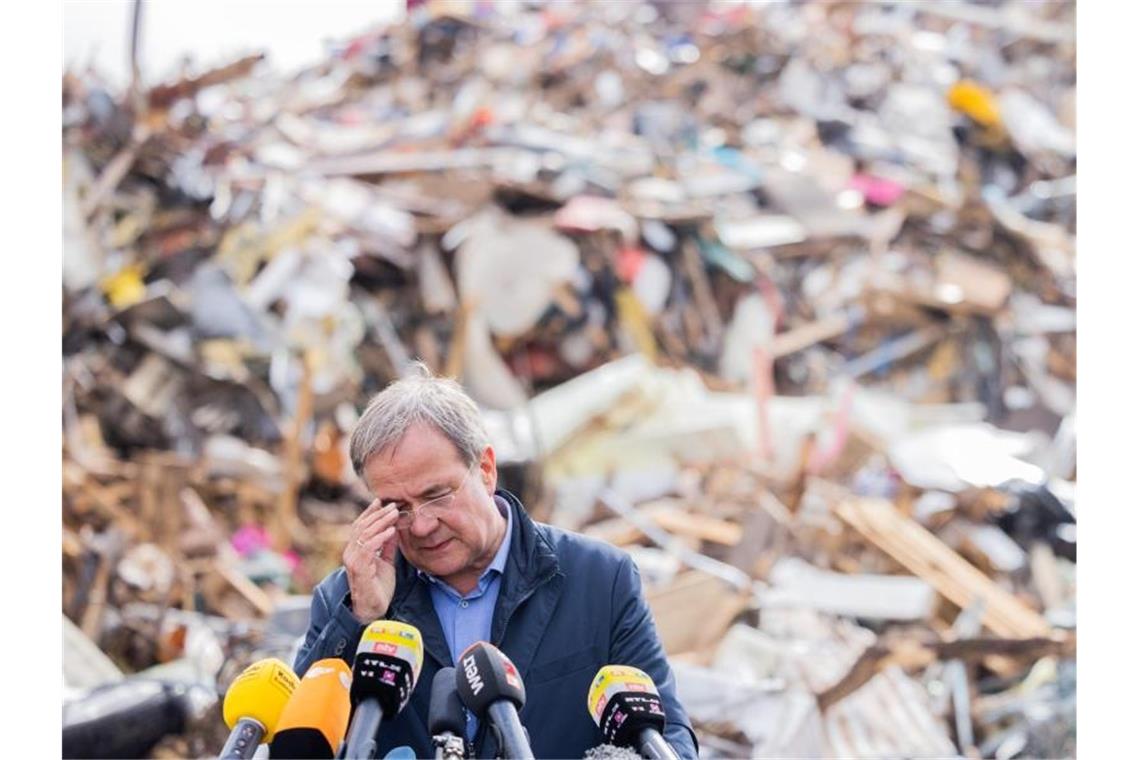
{"x":422,"y":524}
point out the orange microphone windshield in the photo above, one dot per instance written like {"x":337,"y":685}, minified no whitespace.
{"x":315,"y":719}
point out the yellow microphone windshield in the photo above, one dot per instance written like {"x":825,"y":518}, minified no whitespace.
{"x":396,"y":639}
{"x":614,"y":679}
{"x":260,"y":692}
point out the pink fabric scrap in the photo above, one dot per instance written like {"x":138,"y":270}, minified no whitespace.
{"x":877,"y":190}
{"x":249,"y":539}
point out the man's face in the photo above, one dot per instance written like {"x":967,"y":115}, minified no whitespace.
{"x":455,"y":544}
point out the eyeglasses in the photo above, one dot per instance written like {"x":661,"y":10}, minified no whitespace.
{"x":406,"y":515}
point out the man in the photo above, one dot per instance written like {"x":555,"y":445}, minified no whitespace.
{"x":442,"y":549}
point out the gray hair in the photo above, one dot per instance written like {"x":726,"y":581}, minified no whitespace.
{"x":419,"y":397}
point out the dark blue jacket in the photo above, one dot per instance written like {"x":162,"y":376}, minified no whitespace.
{"x":567,"y":606}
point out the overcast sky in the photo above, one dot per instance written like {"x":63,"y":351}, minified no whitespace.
{"x":292,"y":33}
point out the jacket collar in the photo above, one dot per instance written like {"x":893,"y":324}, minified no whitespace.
{"x":530,"y":564}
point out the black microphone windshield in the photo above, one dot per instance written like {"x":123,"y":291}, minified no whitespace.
{"x":487,"y":675}
{"x":445,"y":711}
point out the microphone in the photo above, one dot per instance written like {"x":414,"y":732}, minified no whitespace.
{"x":128,"y":718}
{"x":623,"y":701}
{"x":253,"y":706}
{"x":610,"y":752}
{"x":490,"y":686}
{"x":446,"y":721}
{"x":386,"y":668}
{"x":314,"y":720}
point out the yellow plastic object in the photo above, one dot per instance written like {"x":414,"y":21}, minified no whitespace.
{"x":976,"y":101}
{"x":612,"y":680}
{"x":631,"y":314}
{"x":125,"y":287}
{"x":320,"y":702}
{"x":395,"y":639}
{"x":261,"y":693}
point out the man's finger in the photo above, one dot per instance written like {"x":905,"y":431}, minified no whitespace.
{"x":367,"y":524}
{"x":388,"y":550}
{"x":376,"y":544}
{"x":373,"y":506}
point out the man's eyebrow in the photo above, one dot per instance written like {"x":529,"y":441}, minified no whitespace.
{"x":436,"y":487}
{"x":423,"y":492}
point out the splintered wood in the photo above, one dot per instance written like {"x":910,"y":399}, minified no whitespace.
{"x":694,"y":612}
{"x":671,"y":517}
{"x":926,"y":556}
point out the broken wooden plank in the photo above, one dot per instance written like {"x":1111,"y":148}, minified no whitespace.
{"x":803,"y":336}
{"x":923,"y":554}
{"x":202,"y":535}
{"x":162,"y":476}
{"x":712,"y":325}
{"x":960,"y":284}
{"x":72,"y":546}
{"x":115,"y":170}
{"x":91,"y":621}
{"x":615,"y":530}
{"x":865,"y":667}
{"x":1046,"y":578}
{"x":965,"y":283}
{"x":705,"y":527}
{"x":977,"y":649}
{"x":694,"y":611}
{"x":456,"y":347}
{"x":288,"y":523}
{"x":249,"y":591}
{"x":106,"y":499}
{"x":679,"y":522}
{"x":729,"y":574}
{"x":763,"y":537}
{"x":164,"y":95}
{"x":914,"y":655}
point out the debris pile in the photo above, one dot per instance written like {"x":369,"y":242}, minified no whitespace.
{"x":779,"y":297}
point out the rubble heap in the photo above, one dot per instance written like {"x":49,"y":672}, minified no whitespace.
{"x":778,"y":297}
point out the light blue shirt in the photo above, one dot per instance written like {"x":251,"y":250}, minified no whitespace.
{"x":466,"y":619}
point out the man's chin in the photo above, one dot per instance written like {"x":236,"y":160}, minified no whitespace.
{"x":438,"y":561}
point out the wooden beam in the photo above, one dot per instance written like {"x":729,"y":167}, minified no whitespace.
{"x":912,"y":655}
{"x":705,"y":527}
{"x":861,"y":671}
{"x":72,"y":546}
{"x":247,"y":589}
{"x":620,"y":532}
{"x":802,"y":336}
{"x":288,"y":523}
{"x":92,"y":619}
{"x":923,"y":554}
{"x":694,"y":611}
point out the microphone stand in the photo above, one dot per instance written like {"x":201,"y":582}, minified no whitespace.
{"x":448,"y":746}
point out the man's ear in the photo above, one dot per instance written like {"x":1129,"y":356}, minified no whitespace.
{"x":488,"y":471}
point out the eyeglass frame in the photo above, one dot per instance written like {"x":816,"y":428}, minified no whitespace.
{"x":406,"y":518}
